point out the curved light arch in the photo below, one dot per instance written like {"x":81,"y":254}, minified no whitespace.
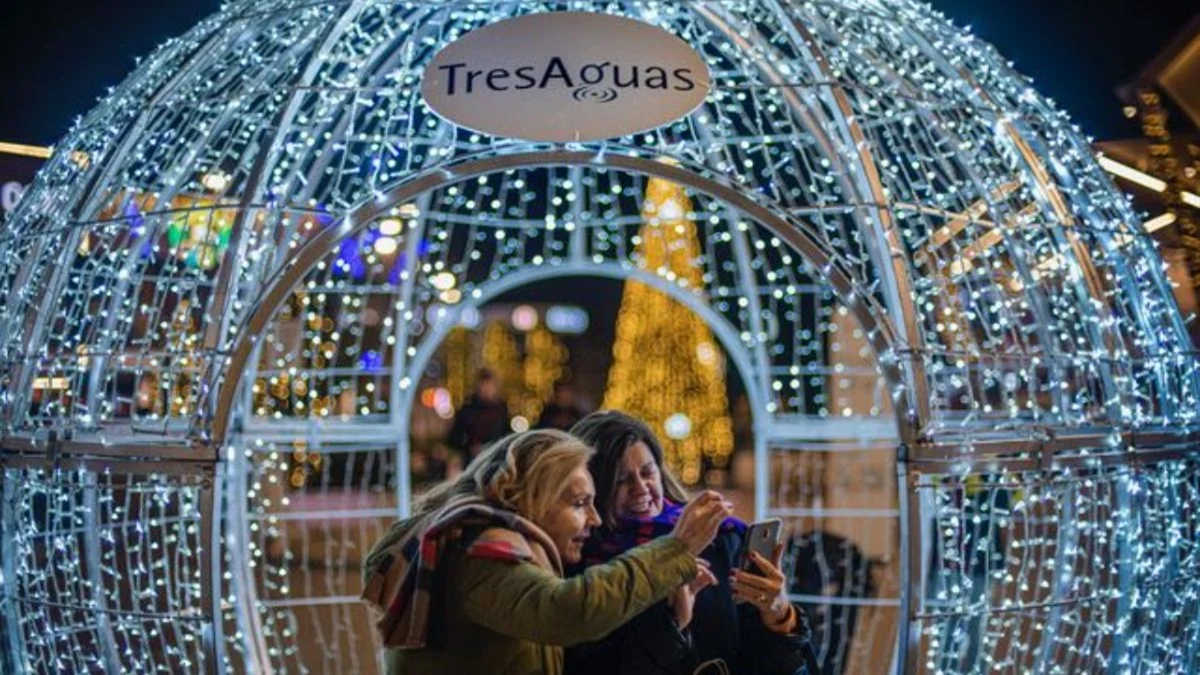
{"x":487,"y":291}
{"x":801,"y":239}
{"x":885,"y":244}
{"x":872,"y":319}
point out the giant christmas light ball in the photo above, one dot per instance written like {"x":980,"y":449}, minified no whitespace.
{"x":973,"y":397}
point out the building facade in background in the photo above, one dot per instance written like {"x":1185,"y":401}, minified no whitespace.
{"x":1160,"y":167}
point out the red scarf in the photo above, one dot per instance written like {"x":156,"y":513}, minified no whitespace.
{"x":399,"y":587}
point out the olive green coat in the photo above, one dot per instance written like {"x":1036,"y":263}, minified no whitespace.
{"x":507,"y":618}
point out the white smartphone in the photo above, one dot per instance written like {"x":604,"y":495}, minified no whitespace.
{"x":761,"y":537}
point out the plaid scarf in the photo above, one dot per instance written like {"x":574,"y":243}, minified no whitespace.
{"x":401,"y":573}
{"x":608,"y":543}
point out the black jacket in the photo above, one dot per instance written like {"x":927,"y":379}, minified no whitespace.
{"x":650,"y":644}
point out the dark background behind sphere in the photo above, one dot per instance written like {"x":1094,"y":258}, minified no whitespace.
{"x":57,"y":57}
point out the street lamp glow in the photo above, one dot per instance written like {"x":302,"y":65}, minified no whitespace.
{"x":678,"y":427}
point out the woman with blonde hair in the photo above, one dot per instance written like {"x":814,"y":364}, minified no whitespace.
{"x":473,"y":582}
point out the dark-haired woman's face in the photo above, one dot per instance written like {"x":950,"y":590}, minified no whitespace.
{"x":638,"y":492}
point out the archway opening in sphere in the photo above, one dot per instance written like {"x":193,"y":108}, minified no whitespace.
{"x":345,"y":359}
{"x":560,"y":348}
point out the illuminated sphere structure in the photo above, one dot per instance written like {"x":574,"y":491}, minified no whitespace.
{"x":972,"y":394}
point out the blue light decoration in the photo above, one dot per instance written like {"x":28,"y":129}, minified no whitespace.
{"x":567,"y":319}
{"x":349,"y":259}
{"x":970,"y":387}
{"x":371,"y":362}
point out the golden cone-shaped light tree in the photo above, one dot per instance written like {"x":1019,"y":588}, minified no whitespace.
{"x":667,"y":369}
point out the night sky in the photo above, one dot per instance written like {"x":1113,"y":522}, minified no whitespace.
{"x":58,"y":56}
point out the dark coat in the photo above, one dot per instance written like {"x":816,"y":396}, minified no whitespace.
{"x":555,"y":416}
{"x":651,"y":644}
{"x":477,"y":424}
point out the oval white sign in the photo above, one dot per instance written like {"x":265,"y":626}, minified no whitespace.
{"x":565,"y":76}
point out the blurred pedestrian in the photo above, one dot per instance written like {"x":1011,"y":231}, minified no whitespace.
{"x":481,"y":420}
{"x":560,"y":412}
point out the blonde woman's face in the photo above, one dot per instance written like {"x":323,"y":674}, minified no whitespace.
{"x":570,"y":520}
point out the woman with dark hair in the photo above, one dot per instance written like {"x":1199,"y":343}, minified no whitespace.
{"x":473,"y":582}
{"x":744,"y":625}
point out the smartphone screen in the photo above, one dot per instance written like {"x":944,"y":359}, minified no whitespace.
{"x":761,"y":537}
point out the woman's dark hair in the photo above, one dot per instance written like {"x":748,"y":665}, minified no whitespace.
{"x":611,"y":433}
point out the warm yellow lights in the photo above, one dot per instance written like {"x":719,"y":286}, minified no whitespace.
{"x":390,"y":227}
{"x":51,"y":383}
{"x":443,"y":281}
{"x":215,"y":181}
{"x":670,"y":210}
{"x":1132,"y":175}
{"x":1156,"y":224}
{"x":80,"y":159}
{"x":1145,"y":180}
{"x":666,"y":365}
{"x":1052,"y":264}
{"x":26,"y":150}
{"x":956,"y":225}
{"x":962,"y":264}
{"x":386,"y":245}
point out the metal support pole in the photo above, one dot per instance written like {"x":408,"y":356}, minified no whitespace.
{"x":912,"y":572}
{"x":93,"y":564}
{"x":211,"y":571}
{"x":14,"y":659}
{"x":1126,"y":572}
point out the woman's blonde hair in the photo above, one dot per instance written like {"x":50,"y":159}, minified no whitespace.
{"x":524,"y":472}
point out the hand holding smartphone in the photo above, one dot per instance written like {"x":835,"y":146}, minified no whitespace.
{"x":761,"y":537}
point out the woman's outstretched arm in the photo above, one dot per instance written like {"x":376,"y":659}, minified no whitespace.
{"x":528,"y":602}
